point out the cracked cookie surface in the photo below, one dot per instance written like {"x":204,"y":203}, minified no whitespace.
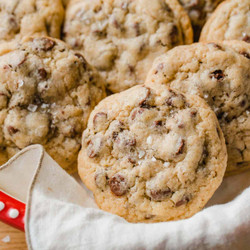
{"x":47,"y":92}
{"x":219,"y":73}
{"x":151,"y":154}
{"x":21,"y":18}
{"x":199,"y":11}
{"x":122,"y":37}
{"x":230,"y":21}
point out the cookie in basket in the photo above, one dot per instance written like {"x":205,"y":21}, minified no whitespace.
{"x":230,"y":21}
{"x":20,"y":18}
{"x":199,"y":11}
{"x":218,"y":72}
{"x":122,"y":37}
{"x":152,"y":154}
{"x":47,"y":92}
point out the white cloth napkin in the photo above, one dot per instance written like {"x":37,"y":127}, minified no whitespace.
{"x":61,"y":214}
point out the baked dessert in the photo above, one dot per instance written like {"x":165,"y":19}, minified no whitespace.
{"x":152,"y":154}
{"x":230,"y":21}
{"x":47,"y":92}
{"x":219,"y":73}
{"x":199,"y":11}
{"x":122,"y":37}
{"x":21,"y":18}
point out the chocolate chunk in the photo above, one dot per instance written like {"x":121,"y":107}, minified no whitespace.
{"x":47,"y":43}
{"x":82,"y":59}
{"x":217,"y":74}
{"x":145,"y":102}
{"x":12,"y":130}
{"x":118,"y":185}
{"x":181,"y":146}
{"x":243,"y":103}
{"x":181,"y":125}
{"x":160,"y":194}
{"x":42,"y":74}
{"x":183,"y":201}
{"x":131,"y":160}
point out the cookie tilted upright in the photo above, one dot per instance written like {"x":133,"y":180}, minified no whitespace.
{"x":47,"y":92}
{"x":230,"y":21}
{"x":219,"y":73}
{"x":152,"y":154}
{"x":121,"y":38}
{"x":21,"y":18}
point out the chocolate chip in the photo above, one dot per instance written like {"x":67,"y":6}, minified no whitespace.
{"x":160,"y":194}
{"x":217,"y":74}
{"x":149,"y":216}
{"x":131,"y":160}
{"x":82,"y":59}
{"x":131,"y":69}
{"x":243,"y":103}
{"x":181,"y":125}
{"x":183,"y":201}
{"x":181,"y":146}
{"x":203,"y":159}
{"x":130,"y":142}
{"x":135,"y":112}
{"x":116,"y":24}
{"x":48,"y":44}
{"x":158,"y":123}
{"x":118,"y":185}
{"x":215,"y":45}
{"x":42,"y":74}
{"x":12,"y":130}
{"x":115,"y":135}
{"x":137,"y":29}
{"x":100,"y":33}
{"x":246,"y":38}
{"x":169,"y":101}
{"x":245,"y":54}
{"x":193,"y":113}
{"x":220,"y":115}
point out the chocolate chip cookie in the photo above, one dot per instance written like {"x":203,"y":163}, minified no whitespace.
{"x":199,"y":11}
{"x":122,"y":37}
{"x":20,"y":18}
{"x":230,"y":21}
{"x":220,"y":73}
{"x":47,"y":92}
{"x":152,"y":154}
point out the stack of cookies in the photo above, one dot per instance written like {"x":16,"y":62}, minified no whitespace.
{"x":177,"y":115}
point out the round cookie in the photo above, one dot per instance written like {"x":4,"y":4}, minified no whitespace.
{"x":220,"y":73}
{"x":21,"y":18}
{"x":230,"y":21}
{"x":199,"y":11}
{"x":122,"y":37}
{"x":47,"y":92}
{"x":151,"y":154}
